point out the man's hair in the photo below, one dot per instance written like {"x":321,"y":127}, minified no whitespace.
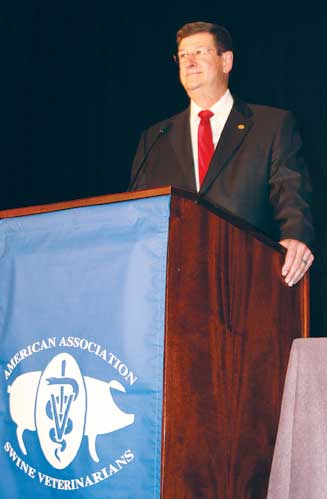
{"x":221,"y":35}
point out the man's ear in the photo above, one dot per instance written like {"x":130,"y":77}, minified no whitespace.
{"x":227,"y":61}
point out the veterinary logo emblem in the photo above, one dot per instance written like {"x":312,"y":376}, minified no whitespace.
{"x":62,"y":406}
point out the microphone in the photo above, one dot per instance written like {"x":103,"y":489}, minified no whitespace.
{"x":163,"y":130}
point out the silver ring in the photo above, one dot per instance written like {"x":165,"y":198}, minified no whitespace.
{"x":304,"y":261}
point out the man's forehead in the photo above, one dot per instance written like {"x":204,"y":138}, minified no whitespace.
{"x":196,"y":40}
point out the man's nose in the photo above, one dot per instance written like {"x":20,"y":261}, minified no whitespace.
{"x":191,"y":59}
{"x":191,"y":56}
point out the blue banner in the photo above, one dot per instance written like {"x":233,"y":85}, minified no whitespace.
{"x":82,"y":303}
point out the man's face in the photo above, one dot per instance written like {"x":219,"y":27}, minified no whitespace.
{"x":203,"y":71}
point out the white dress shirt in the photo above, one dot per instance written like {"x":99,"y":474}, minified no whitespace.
{"x":221,"y":110}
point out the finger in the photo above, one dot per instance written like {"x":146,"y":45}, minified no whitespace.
{"x":296,"y":277}
{"x":298,"y":262}
{"x":290,"y":256}
{"x":307,"y":262}
{"x":296,"y":274}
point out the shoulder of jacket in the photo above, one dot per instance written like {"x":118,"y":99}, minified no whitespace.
{"x":262,"y":110}
{"x":249,"y":109}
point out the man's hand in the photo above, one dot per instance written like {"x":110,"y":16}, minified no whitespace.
{"x":298,"y":259}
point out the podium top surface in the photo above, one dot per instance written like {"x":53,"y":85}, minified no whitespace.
{"x":90,"y":201}
{"x":141,"y":194}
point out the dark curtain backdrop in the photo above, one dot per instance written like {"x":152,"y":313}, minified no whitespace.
{"x":80,"y":80}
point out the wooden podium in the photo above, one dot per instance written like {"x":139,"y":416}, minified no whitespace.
{"x":230,"y":322}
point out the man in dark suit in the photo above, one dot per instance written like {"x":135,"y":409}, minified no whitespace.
{"x":244,"y":158}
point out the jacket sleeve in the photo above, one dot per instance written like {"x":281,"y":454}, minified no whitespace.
{"x":290,"y":186}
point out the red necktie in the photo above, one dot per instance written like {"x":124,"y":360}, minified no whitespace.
{"x":205,"y":143}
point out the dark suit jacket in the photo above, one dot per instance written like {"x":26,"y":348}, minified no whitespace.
{"x":257,"y":171}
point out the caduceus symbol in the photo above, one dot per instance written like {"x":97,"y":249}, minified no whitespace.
{"x":58,"y":407}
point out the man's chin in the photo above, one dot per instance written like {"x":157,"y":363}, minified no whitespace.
{"x":190,"y":86}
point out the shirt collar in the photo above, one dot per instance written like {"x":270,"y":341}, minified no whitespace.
{"x":219,"y":108}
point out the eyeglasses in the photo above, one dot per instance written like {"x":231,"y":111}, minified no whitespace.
{"x":198,"y":54}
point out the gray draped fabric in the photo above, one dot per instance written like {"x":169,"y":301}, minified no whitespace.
{"x":299,"y":468}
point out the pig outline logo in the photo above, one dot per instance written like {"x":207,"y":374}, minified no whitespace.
{"x":98,"y":413}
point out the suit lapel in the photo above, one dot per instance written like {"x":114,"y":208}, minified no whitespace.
{"x":180,"y":138}
{"x":238,"y":125}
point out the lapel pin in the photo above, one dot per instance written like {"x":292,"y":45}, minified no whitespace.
{"x":241,"y":126}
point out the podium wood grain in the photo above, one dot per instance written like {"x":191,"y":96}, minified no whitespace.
{"x":230,"y":323}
